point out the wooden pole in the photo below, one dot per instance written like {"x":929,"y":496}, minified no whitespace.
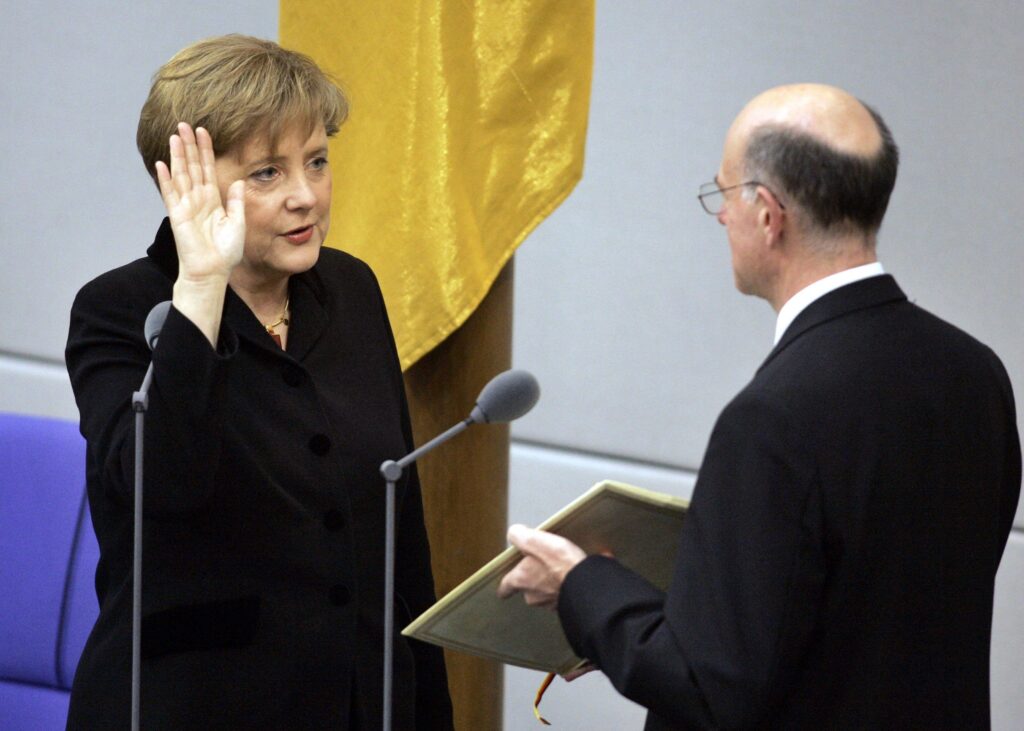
{"x":465,"y":481}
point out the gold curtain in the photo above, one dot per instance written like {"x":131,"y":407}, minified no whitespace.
{"x":467,"y":127}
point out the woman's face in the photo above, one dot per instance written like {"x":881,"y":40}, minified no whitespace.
{"x":287,"y":203}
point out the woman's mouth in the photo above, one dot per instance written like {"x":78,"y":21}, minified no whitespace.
{"x":299,"y":235}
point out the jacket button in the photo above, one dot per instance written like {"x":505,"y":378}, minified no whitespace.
{"x":293,"y":375}
{"x":333,"y":520}
{"x":339,"y":595}
{"x":319,"y":444}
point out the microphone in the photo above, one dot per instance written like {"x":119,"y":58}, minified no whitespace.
{"x":155,"y":322}
{"x":505,"y":398}
{"x":140,"y":402}
{"x":152,"y":329}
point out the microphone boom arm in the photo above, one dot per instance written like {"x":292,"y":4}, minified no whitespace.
{"x":505,"y":398}
{"x":392,"y":470}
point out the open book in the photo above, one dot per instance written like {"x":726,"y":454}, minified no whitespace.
{"x":639,"y":527}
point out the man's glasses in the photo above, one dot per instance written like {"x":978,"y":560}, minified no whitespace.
{"x":712,"y":198}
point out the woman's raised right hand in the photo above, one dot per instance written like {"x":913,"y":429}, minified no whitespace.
{"x":210,"y":236}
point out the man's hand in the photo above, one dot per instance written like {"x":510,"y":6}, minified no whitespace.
{"x":539,"y":576}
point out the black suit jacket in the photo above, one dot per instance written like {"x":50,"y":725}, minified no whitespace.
{"x":837,"y":563}
{"x":264,"y":509}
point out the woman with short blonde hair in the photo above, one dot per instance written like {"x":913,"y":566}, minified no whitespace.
{"x":276,"y":395}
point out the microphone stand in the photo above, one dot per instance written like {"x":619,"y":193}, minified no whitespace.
{"x":392,"y":472}
{"x":140,"y":402}
{"x":505,"y":398}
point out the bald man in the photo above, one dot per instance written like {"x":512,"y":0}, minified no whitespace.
{"x":837,"y":564}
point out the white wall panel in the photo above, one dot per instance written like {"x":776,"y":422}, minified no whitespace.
{"x":39,"y":388}
{"x":76,"y":200}
{"x":1008,"y":639}
{"x":541,"y":481}
{"x":589,"y":703}
{"x":625,"y":307}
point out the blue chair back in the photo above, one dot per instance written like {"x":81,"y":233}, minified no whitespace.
{"x":48,"y":555}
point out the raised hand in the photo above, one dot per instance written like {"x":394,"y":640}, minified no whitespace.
{"x":210,"y":236}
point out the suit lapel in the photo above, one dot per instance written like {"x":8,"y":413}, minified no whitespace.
{"x":163,"y":252}
{"x":245,"y":324}
{"x":309,"y":317}
{"x":859,"y":295}
{"x":310,"y":308}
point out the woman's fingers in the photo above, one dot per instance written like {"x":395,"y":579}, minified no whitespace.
{"x":163,"y":179}
{"x":180,"y":175}
{"x":192,"y":175}
{"x":236,"y":203}
{"x":207,"y":159}
{"x":188,"y":139}
{"x":192,"y":160}
{"x":210,"y":237}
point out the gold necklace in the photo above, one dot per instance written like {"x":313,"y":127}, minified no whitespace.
{"x":282,"y":320}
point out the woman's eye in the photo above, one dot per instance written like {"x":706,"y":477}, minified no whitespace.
{"x":264,"y":174}
{"x":318,"y":163}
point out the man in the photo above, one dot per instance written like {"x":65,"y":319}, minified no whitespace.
{"x":837,"y":564}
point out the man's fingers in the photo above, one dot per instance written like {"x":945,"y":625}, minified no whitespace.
{"x":522,"y":579}
{"x":507,"y":586}
{"x":517,"y":534}
{"x":516,"y":579}
{"x":548,"y":548}
{"x":578,"y":672}
{"x":539,"y":575}
{"x":538,"y":599}
{"x":532,"y":542}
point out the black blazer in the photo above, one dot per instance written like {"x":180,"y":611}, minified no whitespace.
{"x":264,"y":509}
{"x":837,"y":564}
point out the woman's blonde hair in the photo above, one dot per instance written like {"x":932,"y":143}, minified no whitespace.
{"x":237,"y":87}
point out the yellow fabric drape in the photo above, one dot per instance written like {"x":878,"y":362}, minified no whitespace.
{"x":467,"y":127}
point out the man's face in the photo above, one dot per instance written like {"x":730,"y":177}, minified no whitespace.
{"x":739,"y":216}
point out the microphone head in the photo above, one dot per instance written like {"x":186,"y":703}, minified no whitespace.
{"x":155,"y":322}
{"x":505,"y":398}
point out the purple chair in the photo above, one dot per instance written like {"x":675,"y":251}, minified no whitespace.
{"x":48,"y":557}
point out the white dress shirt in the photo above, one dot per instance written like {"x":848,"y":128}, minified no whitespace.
{"x":796,"y":304}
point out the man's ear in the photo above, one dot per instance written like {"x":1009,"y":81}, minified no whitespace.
{"x":770,"y":216}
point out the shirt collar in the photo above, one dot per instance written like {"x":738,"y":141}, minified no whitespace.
{"x":799,"y":301}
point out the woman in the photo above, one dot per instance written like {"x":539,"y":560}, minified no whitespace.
{"x":276,"y":395}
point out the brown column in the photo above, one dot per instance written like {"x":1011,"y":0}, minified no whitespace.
{"x":465,"y":481}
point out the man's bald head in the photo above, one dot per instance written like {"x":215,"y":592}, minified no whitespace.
{"x":822,"y":151}
{"x":825,"y":113}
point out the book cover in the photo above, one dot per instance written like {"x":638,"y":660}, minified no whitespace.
{"x":639,"y":527}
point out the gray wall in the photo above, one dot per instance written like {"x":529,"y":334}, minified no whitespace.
{"x":75,"y":199}
{"x":624,"y":305}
